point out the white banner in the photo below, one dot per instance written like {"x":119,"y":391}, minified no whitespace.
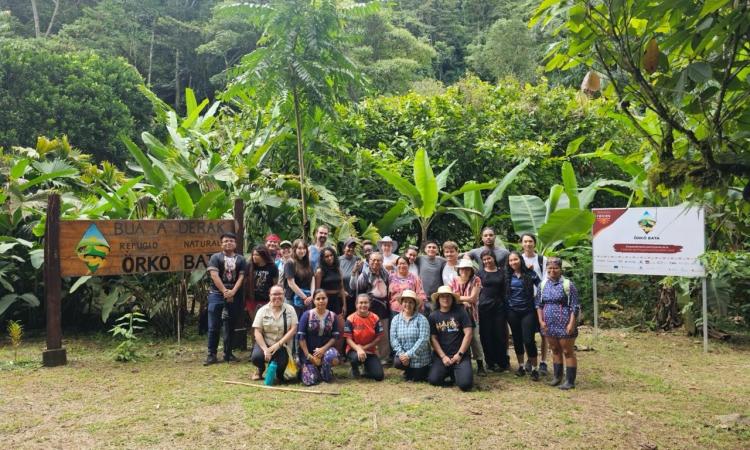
{"x":649,"y":241}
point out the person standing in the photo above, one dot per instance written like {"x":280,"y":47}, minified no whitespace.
{"x":272,"y":244}
{"x":261,"y":275}
{"x":318,"y":330}
{"x":493,"y":314}
{"x":468,"y":286}
{"x":363,"y":332}
{"x":347,"y":263}
{"x":321,"y":237}
{"x":450,"y":334}
{"x":522,"y":317}
{"x":274,"y":327}
{"x":536,"y":262}
{"x":284,"y":255}
{"x":450,"y":253}
{"x":410,"y":337}
{"x":374,"y":283}
{"x":488,"y":241}
{"x":430,"y":269}
{"x":299,"y":276}
{"x":411,"y":255}
{"x":557,"y":306}
{"x":227,"y":271}
{"x":401,"y":280}
{"x":387,"y":247}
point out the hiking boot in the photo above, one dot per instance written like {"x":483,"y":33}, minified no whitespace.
{"x":481,"y":371}
{"x":558,"y":373}
{"x":534,"y":375}
{"x":543,"y":369}
{"x":230,"y":358}
{"x":520,"y":371}
{"x":210,"y":359}
{"x":527,"y":367}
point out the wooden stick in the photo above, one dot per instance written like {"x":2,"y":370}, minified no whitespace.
{"x":263,"y":386}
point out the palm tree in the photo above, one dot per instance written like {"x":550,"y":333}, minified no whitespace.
{"x":299,"y":66}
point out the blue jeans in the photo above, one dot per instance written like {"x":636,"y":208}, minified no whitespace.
{"x":220,"y":313}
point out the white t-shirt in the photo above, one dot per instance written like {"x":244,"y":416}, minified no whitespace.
{"x":449,"y":273}
{"x":534,"y":261}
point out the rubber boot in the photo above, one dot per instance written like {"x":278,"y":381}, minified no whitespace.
{"x":557,"y":374}
{"x":570,"y":378}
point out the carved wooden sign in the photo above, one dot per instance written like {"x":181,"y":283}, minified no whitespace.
{"x":116,"y":247}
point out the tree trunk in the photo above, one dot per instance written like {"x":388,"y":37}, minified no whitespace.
{"x":300,"y":163}
{"x":54,"y":16}
{"x":151,"y":54}
{"x":177,"y":98}
{"x":34,"y":10}
{"x":666,"y":316}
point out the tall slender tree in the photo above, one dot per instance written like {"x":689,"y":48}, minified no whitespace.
{"x":299,"y":65}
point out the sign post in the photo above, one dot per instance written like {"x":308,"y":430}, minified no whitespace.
{"x":120,"y":247}
{"x":650,"y":241}
{"x":55,"y":354}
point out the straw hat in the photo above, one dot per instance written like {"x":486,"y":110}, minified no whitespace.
{"x":444,"y":290}
{"x":408,"y":293}
{"x":285,"y":244}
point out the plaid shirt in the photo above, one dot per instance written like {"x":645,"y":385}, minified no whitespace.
{"x":411,"y":338}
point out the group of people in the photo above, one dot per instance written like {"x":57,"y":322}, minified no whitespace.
{"x":425,"y":314}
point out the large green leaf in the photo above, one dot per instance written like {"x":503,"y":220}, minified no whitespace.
{"x":564,"y":223}
{"x":206,"y":202}
{"x":527,"y":212}
{"x":385,"y":224}
{"x":152,"y":176}
{"x":570,"y":184}
{"x":66,"y":173}
{"x":403,"y":186}
{"x":426,"y":184}
{"x":7,"y":300}
{"x":184,"y":202}
{"x":442,"y":177}
{"x":498,"y":192}
{"x":553,"y":201}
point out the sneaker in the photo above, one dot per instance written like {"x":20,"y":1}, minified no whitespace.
{"x":210,"y":359}
{"x":543,"y":369}
{"x":527,"y":366}
{"x":534,"y":375}
{"x":230,"y":358}
{"x":567,"y":386}
{"x":520,"y":371}
{"x":481,"y":371}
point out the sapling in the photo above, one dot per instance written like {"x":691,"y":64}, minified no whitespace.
{"x":15,"y":331}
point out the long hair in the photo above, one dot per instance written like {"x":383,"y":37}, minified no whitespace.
{"x":325,"y":267}
{"x":302,"y":268}
{"x":262,"y":250}
{"x":527,"y":276}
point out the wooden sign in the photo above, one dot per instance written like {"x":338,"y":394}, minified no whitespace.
{"x":116,"y":247}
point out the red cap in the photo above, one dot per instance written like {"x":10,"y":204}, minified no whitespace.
{"x":273,"y":237}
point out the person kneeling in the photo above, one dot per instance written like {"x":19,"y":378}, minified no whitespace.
{"x":362,"y":331}
{"x":451,"y":334}
{"x":410,"y":334}
{"x":318,"y":331}
{"x":274,"y":326}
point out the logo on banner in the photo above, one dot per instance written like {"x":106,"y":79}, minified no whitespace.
{"x":646,"y":222}
{"x":93,"y":248}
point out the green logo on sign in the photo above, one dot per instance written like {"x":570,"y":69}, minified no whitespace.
{"x":93,"y":248}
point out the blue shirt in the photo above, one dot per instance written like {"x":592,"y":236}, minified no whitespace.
{"x":519,"y":300}
{"x":314,"y":257}
{"x":411,"y":338}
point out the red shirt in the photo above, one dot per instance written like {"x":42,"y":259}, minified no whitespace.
{"x":363,"y":330}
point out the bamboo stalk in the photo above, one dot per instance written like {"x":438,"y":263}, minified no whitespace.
{"x":263,"y":386}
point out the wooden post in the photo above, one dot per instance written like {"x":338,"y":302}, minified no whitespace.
{"x":55,"y":354}
{"x":239,"y":334}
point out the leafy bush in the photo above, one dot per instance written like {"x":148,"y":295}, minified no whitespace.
{"x":48,"y":91}
{"x":126,"y":327}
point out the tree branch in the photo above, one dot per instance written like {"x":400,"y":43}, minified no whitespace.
{"x":54,"y":16}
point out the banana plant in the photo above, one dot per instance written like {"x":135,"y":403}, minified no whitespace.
{"x":561,"y":219}
{"x":424,"y":199}
{"x":472,"y":201}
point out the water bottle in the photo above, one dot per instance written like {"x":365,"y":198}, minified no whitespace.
{"x":270,"y":374}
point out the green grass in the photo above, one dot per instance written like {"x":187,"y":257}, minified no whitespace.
{"x":634,"y":389}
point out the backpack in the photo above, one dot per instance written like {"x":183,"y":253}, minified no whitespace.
{"x":566,"y":288}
